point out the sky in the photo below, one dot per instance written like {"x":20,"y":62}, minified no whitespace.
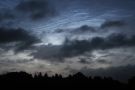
{"x":95,"y":37}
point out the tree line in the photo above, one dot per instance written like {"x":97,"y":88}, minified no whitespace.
{"x":78,"y":80}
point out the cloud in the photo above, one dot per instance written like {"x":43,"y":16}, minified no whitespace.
{"x":103,"y":61}
{"x":77,"y":47}
{"x":82,"y":29}
{"x":20,"y":37}
{"x":73,"y":48}
{"x":36,"y":9}
{"x":109,"y":24}
{"x":50,"y":53}
{"x":84,"y":61}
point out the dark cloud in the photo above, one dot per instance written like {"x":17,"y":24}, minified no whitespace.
{"x":83,"y":29}
{"x":80,"y":30}
{"x":78,"y":47}
{"x":59,"y":31}
{"x":84,"y":61}
{"x":74,"y":48}
{"x":109,"y":24}
{"x":36,"y":8}
{"x":21,"y":37}
{"x":51,"y":53}
{"x":103,"y":61}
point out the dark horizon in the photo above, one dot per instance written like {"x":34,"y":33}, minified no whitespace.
{"x":78,"y":80}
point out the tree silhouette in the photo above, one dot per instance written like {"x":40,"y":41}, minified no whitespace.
{"x":23,"y":79}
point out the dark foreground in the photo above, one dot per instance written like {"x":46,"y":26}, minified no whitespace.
{"x":22,"y":79}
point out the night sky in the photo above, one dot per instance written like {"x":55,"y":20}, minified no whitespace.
{"x":96,"y":37}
